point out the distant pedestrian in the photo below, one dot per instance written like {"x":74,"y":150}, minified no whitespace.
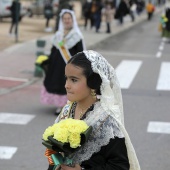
{"x":87,"y":13}
{"x":15,"y":14}
{"x":62,"y":4}
{"x":108,"y":14}
{"x":122,"y":10}
{"x":48,"y":13}
{"x":98,"y":14}
{"x":150,"y":9}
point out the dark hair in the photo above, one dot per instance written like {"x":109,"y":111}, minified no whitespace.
{"x":67,"y":13}
{"x":93,"y":79}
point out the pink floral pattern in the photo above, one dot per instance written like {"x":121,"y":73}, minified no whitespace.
{"x":52,"y":99}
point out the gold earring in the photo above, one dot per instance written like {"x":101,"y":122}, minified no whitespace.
{"x":93,"y":93}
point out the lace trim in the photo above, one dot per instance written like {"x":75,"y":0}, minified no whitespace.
{"x":111,"y":99}
{"x":104,"y":129}
{"x":71,"y":39}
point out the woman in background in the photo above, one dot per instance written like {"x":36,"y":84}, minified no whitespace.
{"x":67,"y":41}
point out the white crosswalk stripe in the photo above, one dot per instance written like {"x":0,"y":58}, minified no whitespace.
{"x":7,"y":152}
{"x":15,"y":118}
{"x":126,"y":72}
{"x":164,"y":77}
{"x":159,"y":127}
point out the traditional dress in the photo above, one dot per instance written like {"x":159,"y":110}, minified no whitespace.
{"x":165,"y":21}
{"x":64,"y":47}
{"x":108,"y":146}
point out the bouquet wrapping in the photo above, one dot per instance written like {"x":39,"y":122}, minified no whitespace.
{"x":63,"y":139}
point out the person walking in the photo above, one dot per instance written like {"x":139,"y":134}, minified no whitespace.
{"x":62,"y":4}
{"x":150,"y":9}
{"x":67,"y":41}
{"x":98,"y":14}
{"x":122,"y":10}
{"x":15,"y":14}
{"x":48,"y":13}
{"x":95,"y":97}
{"x":108,"y":14}
{"x":87,"y":13}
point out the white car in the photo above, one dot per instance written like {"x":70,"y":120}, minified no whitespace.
{"x":5,"y":9}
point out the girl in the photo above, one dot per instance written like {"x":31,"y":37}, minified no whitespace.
{"x":67,"y":41}
{"x":95,"y":97}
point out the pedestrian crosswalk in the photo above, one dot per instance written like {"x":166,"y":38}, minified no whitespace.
{"x":164,"y":77}
{"x":7,"y":152}
{"x":15,"y":118}
{"x":127,"y":72}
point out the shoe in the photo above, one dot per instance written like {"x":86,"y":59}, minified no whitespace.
{"x":48,"y":29}
{"x":58,"y":110}
{"x":56,"y":113}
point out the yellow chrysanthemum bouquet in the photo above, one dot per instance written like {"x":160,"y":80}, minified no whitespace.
{"x":65,"y":138}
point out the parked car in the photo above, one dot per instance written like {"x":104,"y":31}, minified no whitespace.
{"x":5,"y":9}
{"x":37,"y":7}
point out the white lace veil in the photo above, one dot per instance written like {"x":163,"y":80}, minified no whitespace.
{"x":109,"y":109}
{"x":73,"y":37}
{"x":75,"y":25}
{"x":111,"y":97}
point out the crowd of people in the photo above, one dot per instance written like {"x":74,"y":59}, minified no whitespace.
{"x":95,"y":10}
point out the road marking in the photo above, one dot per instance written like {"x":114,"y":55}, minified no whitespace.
{"x":158,"y":55}
{"x":126,"y":54}
{"x":126,"y":72}
{"x":14,"y":118}
{"x":13,"y":79}
{"x":7,"y":152}
{"x":159,"y":127}
{"x":164,"y":77}
{"x":161,"y":47}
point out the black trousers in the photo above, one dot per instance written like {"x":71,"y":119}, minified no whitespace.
{"x":150,"y":15}
{"x":108,"y":27}
{"x":13,"y":24}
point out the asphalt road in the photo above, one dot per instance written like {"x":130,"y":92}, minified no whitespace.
{"x":146,"y":96}
{"x":134,"y":55}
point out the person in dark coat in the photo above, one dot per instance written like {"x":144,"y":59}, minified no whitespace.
{"x":62,"y":4}
{"x":67,"y":41}
{"x":87,"y":13}
{"x":122,"y":11}
{"x":15,"y":14}
{"x":48,"y":13}
{"x":95,"y":97}
{"x":98,"y":14}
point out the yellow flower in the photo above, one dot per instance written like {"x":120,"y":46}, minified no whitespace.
{"x":61,"y":135}
{"x":67,"y":131}
{"x":41,"y":59}
{"x":48,"y":132}
{"x":74,"y":140}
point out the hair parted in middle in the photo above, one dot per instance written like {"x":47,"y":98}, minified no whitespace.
{"x":93,"y":79}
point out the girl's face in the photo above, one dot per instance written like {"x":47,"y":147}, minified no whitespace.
{"x":76,"y":84}
{"x":67,"y":21}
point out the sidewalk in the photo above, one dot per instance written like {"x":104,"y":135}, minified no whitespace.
{"x":17,"y":61}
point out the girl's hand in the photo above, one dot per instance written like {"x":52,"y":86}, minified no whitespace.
{"x":77,"y":167}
